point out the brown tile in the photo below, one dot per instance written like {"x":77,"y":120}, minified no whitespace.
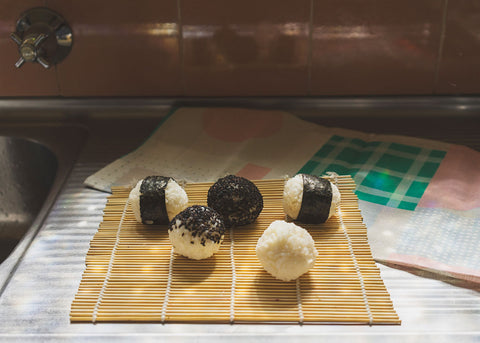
{"x":374,"y":47}
{"x":31,"y":79}
{"x":245,"y":48}
{"x":121,"y":48}
{"x":459,"y":71}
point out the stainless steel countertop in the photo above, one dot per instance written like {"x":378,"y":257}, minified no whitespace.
{"x":36,"y":303}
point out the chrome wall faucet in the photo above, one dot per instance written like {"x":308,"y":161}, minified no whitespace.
{"x":42,"y":36}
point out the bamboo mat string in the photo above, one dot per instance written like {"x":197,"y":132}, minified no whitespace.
{"x":169,"y":285}
{"x":234,"y":277}
{"x":299,"y":301}
{"x":352,"y":253}
{"x":110,"y":263}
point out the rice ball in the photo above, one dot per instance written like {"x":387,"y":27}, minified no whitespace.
{"x":237,"y":199}
{"x":310,"y":199}
{"x":157,"y":199}
{"x":197,"y":232}
{"x":286,"y":250}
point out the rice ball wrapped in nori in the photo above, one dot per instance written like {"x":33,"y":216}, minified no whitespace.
{"x":157,"y":199}
{"x":237,"y":199}
{"x":286,"y":250}
{"x":197,"y":232}
{"x":310,"y":199}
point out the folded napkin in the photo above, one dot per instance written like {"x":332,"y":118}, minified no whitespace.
{"x":420,"y":199}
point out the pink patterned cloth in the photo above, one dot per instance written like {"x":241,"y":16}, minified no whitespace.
{"x":456,"y":184}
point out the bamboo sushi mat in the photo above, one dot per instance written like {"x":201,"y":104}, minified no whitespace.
{"x":132,"y":273}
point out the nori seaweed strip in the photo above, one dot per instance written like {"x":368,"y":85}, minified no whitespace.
{"x":237,"y":199}
{"x":153,"y":208}
{"x":316,"y":200}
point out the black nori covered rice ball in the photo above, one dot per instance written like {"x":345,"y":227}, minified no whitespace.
{"x":310,"y":199}
{"x":152,"y":199}
{"x":157,"y":199}
{"x":237,"y":199}
{"x":316,"y":201}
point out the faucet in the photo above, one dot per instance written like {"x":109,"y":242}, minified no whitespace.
{"x":42,"y":36}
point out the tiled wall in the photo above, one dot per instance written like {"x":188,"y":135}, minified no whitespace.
{"x":253,"y":48}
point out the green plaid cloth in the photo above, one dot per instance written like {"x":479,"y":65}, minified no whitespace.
{"x":390,"y":174}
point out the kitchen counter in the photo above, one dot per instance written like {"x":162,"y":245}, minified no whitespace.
{"x":35,"y":305}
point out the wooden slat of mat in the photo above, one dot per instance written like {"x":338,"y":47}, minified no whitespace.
{"x":341,"y":288}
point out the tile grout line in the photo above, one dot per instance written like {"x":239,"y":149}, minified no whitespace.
{"x":180,"y":47}
{"x":310,"y":50}
{"x":57,"y":81}
{"x":441,"y":46}
{"x":57,"y":78}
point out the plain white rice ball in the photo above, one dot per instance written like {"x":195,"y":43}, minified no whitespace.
{"x":293,"y":195}
{"x":176,"y":200}
{"x":286,"y":250}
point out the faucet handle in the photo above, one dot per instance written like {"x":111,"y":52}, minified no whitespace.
{"x":42,"y":36}
{"x":16,"y":38}
{"x":30,"y":49}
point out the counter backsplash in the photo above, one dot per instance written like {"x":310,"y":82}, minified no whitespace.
{"x":252,"y":48}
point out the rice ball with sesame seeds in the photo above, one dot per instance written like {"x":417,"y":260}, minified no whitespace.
{"x":197,"y":232}
{"x":237,"y":199}
{"x":286,"y":250}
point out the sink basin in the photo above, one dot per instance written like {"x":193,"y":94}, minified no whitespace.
{"x":27,"y":174}
{"x":35,"y":162}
